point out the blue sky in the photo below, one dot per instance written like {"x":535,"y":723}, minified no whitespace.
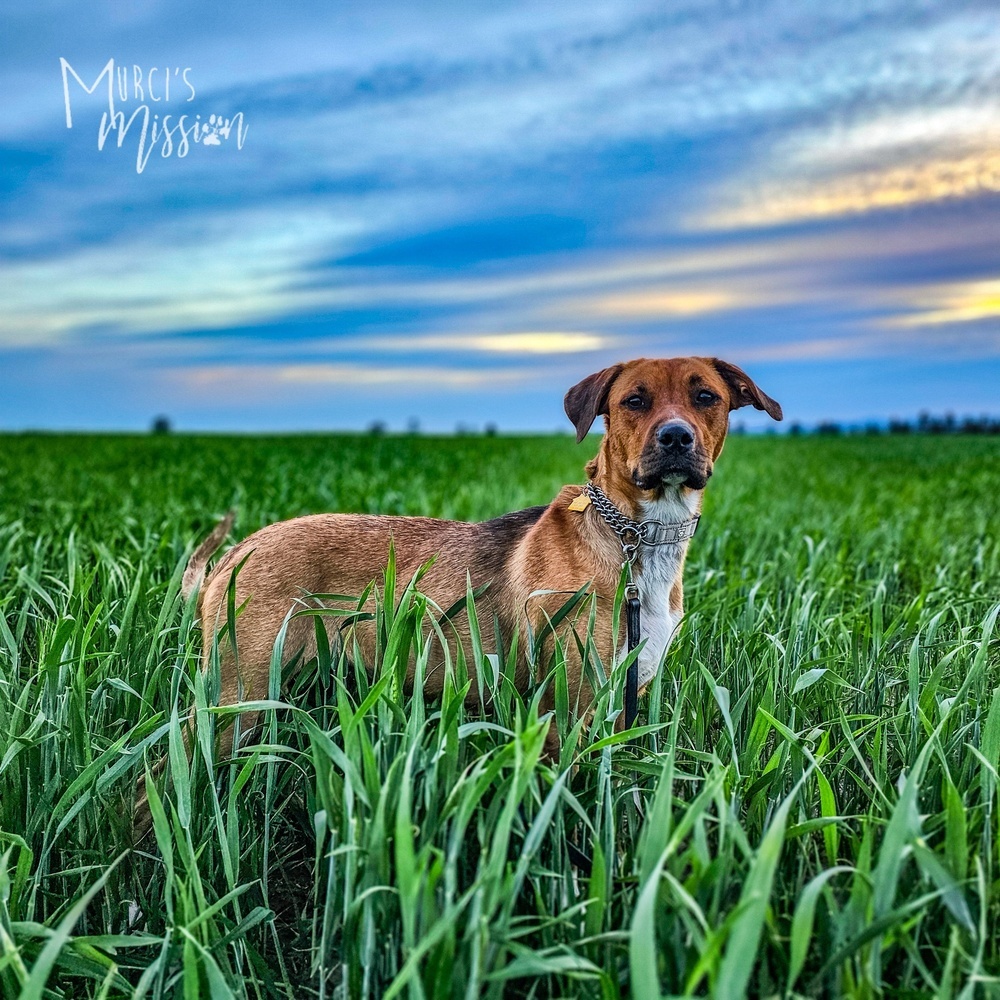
{"x":452,"y":212}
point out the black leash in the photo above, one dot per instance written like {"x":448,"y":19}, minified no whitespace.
{"x":632,"y":534}
{"x":578,"y":859}
{"x":632,"y":637}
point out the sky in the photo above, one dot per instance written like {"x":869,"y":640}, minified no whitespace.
{"x":450,"y":213}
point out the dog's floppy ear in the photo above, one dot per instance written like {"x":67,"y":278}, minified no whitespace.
{"x":589,"y":398}
{"x":743,"y":391}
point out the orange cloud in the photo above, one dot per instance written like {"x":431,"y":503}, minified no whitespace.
{"x":866,"y":164}
{"x":664,"y":303}
{"x":528,"y":342}
{"x":342,"y":373}
{"x":956,"y":302}
{"x":864,"y":191}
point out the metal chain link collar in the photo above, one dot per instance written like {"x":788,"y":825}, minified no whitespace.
{"x":631,"y":533}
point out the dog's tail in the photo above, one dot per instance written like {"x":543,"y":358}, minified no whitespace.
{"x":194,"y":574}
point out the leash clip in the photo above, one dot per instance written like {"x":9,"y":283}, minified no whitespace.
{"x":629,"y":551}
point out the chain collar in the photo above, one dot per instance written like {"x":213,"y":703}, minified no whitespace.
{"x":633,"y":534}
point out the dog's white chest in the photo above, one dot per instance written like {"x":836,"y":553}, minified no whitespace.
{"x":661,"y":568}
{"x":657,"y":622}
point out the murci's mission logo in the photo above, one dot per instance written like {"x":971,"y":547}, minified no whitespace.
{"x":173,"y":134}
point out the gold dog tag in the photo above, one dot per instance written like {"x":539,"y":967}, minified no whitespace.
{"x":582,"y":502}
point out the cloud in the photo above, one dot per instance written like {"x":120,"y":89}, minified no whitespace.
{"x":231,"y":269}
{"x":874,"y":344}
{"x":240,"y":378}
{"x":854,"y":193}
{"x":956,"y":302}
{"x":660,"y":303}
{"x":527,"y":343}
{"x":214,"y":273}
{"x":497,"y":100}
{"x":873,"y":160}
{"x":974,"y":123}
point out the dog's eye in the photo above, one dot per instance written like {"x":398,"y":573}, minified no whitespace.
{"x":706,"y":398}
{"x":634,"y":402}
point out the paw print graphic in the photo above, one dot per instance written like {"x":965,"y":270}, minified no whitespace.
{"x":210,"y":131}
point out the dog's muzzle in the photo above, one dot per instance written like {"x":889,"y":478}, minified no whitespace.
{"x":673,"y":457}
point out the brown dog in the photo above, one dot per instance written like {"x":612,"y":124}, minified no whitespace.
{"x":665,"y":424}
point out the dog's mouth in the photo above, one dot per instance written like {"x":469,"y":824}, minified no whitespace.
{"x":666,"y":474}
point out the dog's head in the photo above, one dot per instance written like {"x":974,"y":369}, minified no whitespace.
{"x":665,"y":419}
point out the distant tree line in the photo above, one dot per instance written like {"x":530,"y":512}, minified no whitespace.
{"x":926,"y":423}
{"x":377,"y":428}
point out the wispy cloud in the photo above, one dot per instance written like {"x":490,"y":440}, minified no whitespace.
{"x":956,"y":302}
{"x":909,"y":157}
{"x":929,"y":180}
{"x":524,"y":343}
{"x":591,"y":78}
{"x":218,"y":273}
{"x":268,"y":378}
{"x":668,"y":303}
{"x":885,"y":345}
{"x":257,"y":266}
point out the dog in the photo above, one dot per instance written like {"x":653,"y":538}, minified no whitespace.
{"x":665,"y":423}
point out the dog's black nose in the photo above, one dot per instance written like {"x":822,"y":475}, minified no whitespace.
{"x":676,"y":437}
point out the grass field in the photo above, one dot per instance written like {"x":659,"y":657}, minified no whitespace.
{"x":812,"y":808}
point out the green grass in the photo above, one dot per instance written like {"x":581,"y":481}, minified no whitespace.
{"x":812,"y":807}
